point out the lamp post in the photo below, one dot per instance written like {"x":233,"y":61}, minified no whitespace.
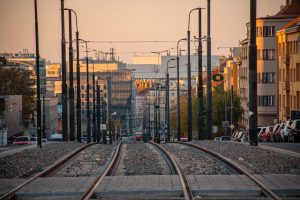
{"x":167,"y":110}
{"x":190,"y":128}
{"x":178,"y":92}
{"x":37,"y":59}
{"x":71,"y":88}
{"x":87,"y":93}
{"x":64,"y":76}
{"x":78,"y":98}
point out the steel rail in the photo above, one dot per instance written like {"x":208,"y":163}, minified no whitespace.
{"x":90,"y":191}
{"x":265,"y":190}
{"x":187,"y":192}
{"x":47,"y":171}
{"x":167,"y":158}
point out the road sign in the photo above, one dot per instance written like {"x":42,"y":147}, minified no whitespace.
{"x":232,"y":126}
{"x":250,"y":113}
{"x":225,"y":124}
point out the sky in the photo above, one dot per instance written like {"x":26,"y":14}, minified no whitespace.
{"x":126,"y":20}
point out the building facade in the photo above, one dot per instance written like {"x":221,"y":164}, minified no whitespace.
{"x":267,"y":91}
{"x":288,"y":44}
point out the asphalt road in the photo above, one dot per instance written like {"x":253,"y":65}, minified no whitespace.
{"x":295,"y":147}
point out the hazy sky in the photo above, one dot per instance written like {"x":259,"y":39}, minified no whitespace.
{"x":125,"y":20}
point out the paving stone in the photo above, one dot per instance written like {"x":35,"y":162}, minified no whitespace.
{"x":147,"y":186}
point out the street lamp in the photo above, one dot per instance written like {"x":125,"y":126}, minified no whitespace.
{"x":178,"y":92}
{"x":78,"y":98}
{"x":190,"y":128}
{"x":71,"y":88}
{"x":64,"y":76}
{"x":87,"y":93}
{"x":167,"y":111}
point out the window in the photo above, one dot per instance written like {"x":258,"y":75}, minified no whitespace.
{"x":268,"y":31}
{"x":258,"y":31}
{"x":266,"y":54}
{"x":297,"y":72}
{"x":266,"y":101}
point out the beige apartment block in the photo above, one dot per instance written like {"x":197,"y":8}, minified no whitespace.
{"x":288,"y":39}
{"x":267,"y":64}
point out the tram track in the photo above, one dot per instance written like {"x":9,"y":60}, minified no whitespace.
{"x":47,"y":172}
{"x":265,"y":190}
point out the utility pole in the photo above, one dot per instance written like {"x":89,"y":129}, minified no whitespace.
{"x":200,"y":88}
{"x":94,"y":107}
{"x":78,"y":85}
{"x":190,"y":128}
{"x":253,"y":76}
{"x":38,"y":89}
{"x":71,"y":89}
{"x":109,"y":110}
{"x":98,"y":113}
{"x":178,"y":93}
{"x":226,"y":134}
{"x":189,"y":101}
{"x":208,"y":79}
{"x":231,"y":113}
{"x":103,"y":114}
{"x":64,"y":76}
{"x":88,"y":99}
{"x":44,"y":118}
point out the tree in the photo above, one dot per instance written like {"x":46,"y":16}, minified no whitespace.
{"x":16,"y":81}
{"x":218,"y":112}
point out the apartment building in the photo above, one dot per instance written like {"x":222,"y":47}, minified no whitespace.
{"x":288,"y":44}
{"x":267,"y":91}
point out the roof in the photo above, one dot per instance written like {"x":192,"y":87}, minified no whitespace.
{"x":291,"y":23}
{"x":291,"y":10}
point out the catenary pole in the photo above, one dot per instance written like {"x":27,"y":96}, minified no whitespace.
{"x":253,"y":76}
{"x":71,"y":88}
{"x":200,"y":84}
{"x":64,"y":76}
{"x":208,"y":79}
{"x":38,"y":89}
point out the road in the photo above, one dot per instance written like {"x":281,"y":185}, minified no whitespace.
{"x":294,"y":147}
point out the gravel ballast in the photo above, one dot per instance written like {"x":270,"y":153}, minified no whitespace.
{"x":91,"y":162}
{"x":256,"y":159}
{"x":31,"y":161}
{"x":193,"y":162}
{"x":141,"y":159}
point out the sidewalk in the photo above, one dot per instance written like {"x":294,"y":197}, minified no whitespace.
{"x":16,"y":150}
{"x":279,"y":150}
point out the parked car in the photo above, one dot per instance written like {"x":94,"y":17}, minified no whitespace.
{"x":225,"y":138}
{"x":56,"y":137}
{"x":260,"y":133}
{"x":217,"y":139}
{"x":277,"y":132}
{"x":284,"y":133}
{"x":44,"y":140}
{"x":267,"y":134}
{"x":295,"y":131}
{"x":274,"y":137}
{"x":22,"y":140}
{"x":33,"y":140}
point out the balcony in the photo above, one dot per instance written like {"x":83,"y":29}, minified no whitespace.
{"x":286,"y":86}
{"x":286,"y":59}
